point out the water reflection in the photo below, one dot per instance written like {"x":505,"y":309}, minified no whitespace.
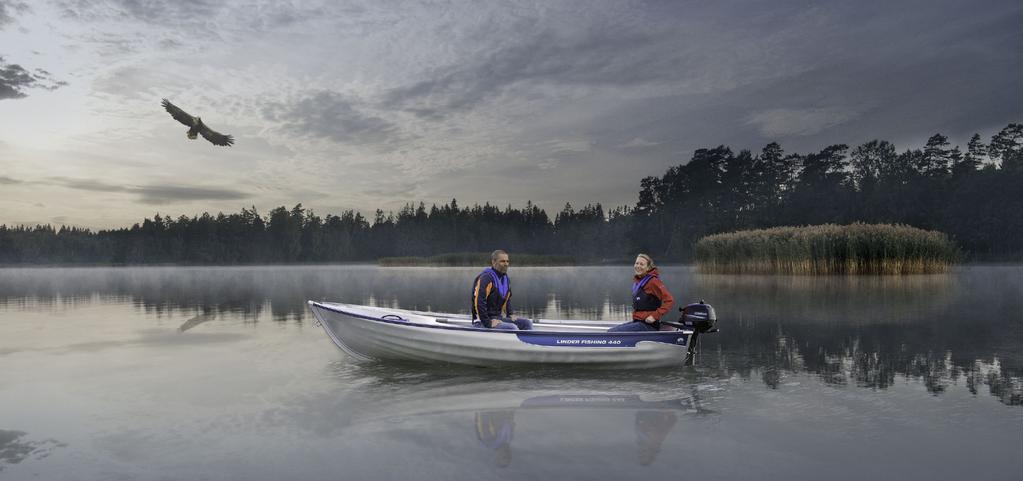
{"x":522,"y":409}
{"x":1008,"y":389}
{"x":936,"y":353}
{"x":495,"y":430}
{"x":578,"y":292}
{"x":651,"y":429}
{"x":14,"y":448}
{"x":960,"y":329}
{"x":832,"y":299}
{"x":206,"y":316}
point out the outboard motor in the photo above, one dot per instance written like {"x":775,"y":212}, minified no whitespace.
{"x":700,"y":317}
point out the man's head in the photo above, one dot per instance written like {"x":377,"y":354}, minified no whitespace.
{"x":499,"y":261}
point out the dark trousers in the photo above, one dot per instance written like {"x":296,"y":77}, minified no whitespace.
{"x":633,"y":326}
{"x":509,"y":324}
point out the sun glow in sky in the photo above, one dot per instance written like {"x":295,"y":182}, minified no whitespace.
{"x":372,"y":104}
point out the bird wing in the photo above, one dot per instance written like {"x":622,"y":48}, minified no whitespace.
{"x":215,"y":137}
{"x":178,"y":114}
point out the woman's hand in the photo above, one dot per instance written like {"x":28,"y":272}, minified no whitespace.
{"x":650,"y":319}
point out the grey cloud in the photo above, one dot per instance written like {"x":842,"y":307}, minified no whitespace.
{"x":330,"y":115}
{"x":257,"y":15}
{"x":169,"y":44}
{"x":150,"y":11}
{"x":599,"y":56}
{"x":210,"y":18}
{"x":276,"y":15}
{"x":638,"y":143}
{"x":109,"y":44}
{"x":14,"y":79}
{"x":153,"y":194}
{"x":160,"y":11}
{"x":90,"y":185}
{"x":674,"y":46}
{"x":9,"y":181}
{"x":161,"y":194}
{"x":191,"y":19}
{"x":782,"y":122}
{"x":10,"y":9}
{"x":837,"y":80}
{"x":407,"y":189}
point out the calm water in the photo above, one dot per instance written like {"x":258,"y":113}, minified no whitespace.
{"x":221,"y":373}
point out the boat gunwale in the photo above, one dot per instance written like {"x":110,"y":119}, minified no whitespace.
{"x":406,"y":322}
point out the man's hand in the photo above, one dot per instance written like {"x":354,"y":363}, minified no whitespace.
{"x":650,"y":320}
{"x":494,"y":323}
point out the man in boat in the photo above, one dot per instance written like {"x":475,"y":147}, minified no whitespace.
{"x":491,"y":297}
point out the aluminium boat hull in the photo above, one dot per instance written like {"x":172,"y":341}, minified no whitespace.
{"x":366,"y":332}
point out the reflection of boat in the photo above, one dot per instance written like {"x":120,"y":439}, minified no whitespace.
{"x":505,"y":417}
{"x":384,"y":333}
{"x":609,"y":401}
{"x":653,"y":420}
{"x":490,"y":397}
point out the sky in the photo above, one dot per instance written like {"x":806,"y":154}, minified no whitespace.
{"x":373,"y":104}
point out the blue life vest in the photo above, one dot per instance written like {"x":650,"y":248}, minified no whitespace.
{"x":503,"y":289}
{"x":500,"y":282}
{"x":643,"y":300}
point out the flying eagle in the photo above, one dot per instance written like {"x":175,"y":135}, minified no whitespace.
{"x":196,"y":127}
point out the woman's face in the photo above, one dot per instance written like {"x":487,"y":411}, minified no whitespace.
{"x":641,"y":266}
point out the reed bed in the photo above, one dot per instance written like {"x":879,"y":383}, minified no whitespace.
{"x":473,"y":259}
{"x":828,"y":249}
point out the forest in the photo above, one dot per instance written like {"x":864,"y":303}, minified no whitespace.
{"x":973,"y":194}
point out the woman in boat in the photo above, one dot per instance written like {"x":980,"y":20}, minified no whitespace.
{"x":650,"y":299}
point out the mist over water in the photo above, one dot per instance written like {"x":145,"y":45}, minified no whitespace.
{"x":221,"y":373}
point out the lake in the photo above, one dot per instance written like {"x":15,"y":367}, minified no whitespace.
{"x":221,"y":373}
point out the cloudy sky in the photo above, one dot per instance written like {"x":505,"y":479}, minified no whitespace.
{"x":372,"y":104}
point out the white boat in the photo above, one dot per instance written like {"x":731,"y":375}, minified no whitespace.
{"x":366,"y":332}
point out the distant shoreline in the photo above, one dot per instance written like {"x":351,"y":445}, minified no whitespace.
{"x":475,"y":259}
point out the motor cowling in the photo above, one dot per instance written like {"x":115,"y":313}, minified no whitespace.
{"x":699,"y":316}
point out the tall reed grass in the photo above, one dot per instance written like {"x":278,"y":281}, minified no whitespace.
{"x":828,"y":249}
{"x":472,"y":259}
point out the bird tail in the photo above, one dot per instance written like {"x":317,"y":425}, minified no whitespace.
{"x":191,"y":135}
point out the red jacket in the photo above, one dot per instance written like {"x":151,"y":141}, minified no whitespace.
{"x":655,"y":288}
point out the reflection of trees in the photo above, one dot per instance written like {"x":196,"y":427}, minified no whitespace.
{"x":894,"y":299}
{"x":248,"y":291}
{"x":1008,"y":389}
{"x":872,"y":358}
{"x":868,"y":330}
{"x":14,"y":449}
{"x":244,"y":291}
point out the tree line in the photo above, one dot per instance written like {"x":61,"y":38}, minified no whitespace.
{"x":974,"y":195}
